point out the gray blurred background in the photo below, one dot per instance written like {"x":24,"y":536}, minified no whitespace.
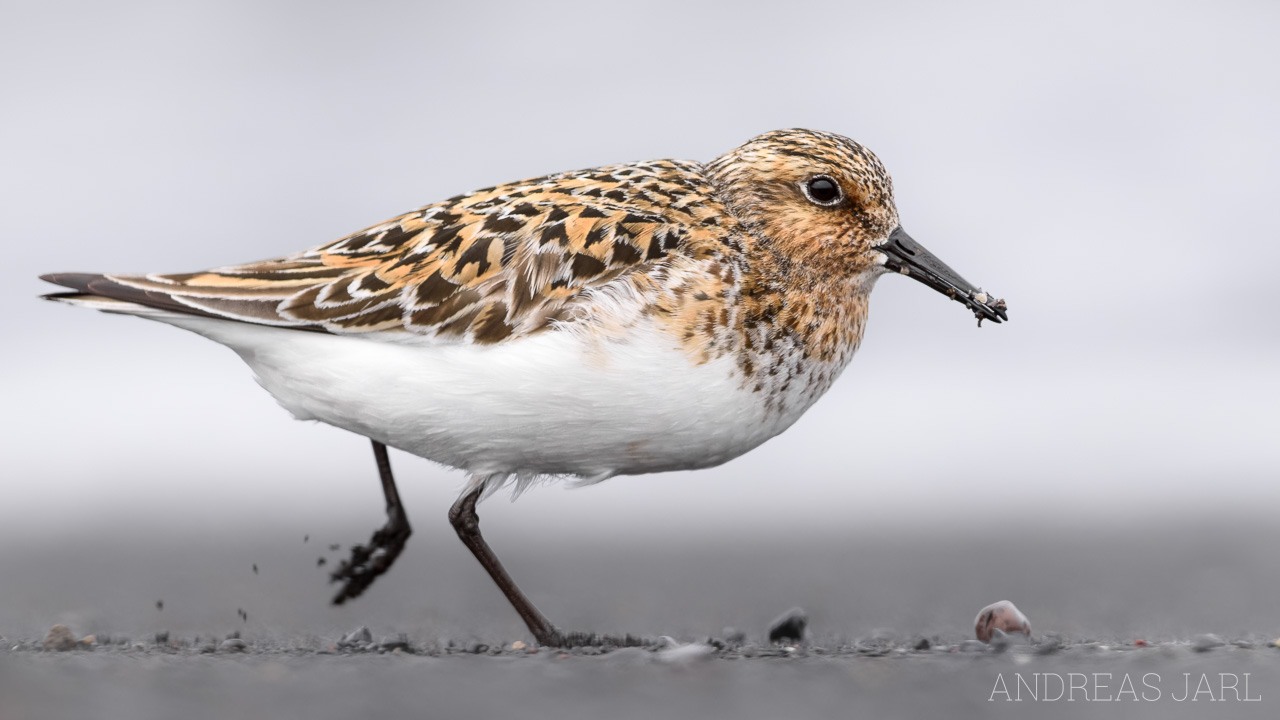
{"x":1109,"y":168}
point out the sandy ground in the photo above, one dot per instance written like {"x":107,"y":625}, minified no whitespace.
{"x":871,"y":596}
{"x":621,"y":685}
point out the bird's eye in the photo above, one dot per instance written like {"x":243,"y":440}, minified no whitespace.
{"x":822,"y":190}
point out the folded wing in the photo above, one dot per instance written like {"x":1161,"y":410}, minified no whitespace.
{"x":483,"y":267}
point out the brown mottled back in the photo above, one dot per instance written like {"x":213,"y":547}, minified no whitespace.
{"x":491,"y":264}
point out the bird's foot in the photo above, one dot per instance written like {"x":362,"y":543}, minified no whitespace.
{"x":367,"y":562}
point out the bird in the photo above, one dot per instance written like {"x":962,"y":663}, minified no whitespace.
{"x":619,"y":320}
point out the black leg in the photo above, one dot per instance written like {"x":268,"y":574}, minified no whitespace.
{"x":464,"y":519}
{"x":367,"y":563}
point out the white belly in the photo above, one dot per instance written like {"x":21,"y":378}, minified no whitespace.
{"x":550,"y":404}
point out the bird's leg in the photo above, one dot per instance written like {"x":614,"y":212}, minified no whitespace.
{"x":464,"y":520}
{"x":368,"y":562}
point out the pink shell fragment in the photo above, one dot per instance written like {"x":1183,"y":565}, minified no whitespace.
{"x":1002,"y":615}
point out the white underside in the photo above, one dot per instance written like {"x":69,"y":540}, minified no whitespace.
{"x":550,"y":404}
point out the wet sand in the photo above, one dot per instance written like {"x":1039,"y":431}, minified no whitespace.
{"x":871,"y":596}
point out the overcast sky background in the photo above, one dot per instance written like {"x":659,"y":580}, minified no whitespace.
{"x":1109,"y":168}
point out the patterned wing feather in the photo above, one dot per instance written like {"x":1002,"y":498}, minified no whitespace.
{"x":496,"y":263}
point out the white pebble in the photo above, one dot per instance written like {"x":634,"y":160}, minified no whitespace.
{"x":685,"y":654}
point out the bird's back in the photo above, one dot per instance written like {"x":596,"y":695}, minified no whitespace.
{"x":484,"y":267}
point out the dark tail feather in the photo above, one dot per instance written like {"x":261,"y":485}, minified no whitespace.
{"x":75,"y":281}
{"x":97,"y":285}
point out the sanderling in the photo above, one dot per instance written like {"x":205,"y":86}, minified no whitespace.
{"x":626,"y":319}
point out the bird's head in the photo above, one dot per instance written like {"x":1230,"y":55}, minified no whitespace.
{"x":826,"y":204}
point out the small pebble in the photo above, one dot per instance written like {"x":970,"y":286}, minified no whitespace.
{"x":733,"y":636}
{"x":1050,"y":642}
{"x":666,"y":642}
{"x":89,"y":640}
{"x":59,"y":639}
{"x":234,"y":644}
{"x":872,"y":647}
{"x":1004,"y":616}
{"x":399,"y":643}
{"x":790,"y":625}
{"x":1206,"y":642}
{"x":359,"y":636}
{"x":1141,"y":643}
{"x":685,"y":654}
{"x":1002,"y":641}
{"x":162,"y":637}
{"x":518,"y":645}
{"x":477,"y":648}
{"x":923,"y":644}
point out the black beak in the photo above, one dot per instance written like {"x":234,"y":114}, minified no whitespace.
{"x":909,"y":257}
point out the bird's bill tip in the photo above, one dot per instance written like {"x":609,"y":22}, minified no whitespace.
{"x":906,"y":256}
